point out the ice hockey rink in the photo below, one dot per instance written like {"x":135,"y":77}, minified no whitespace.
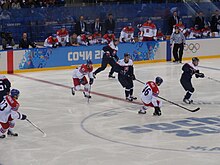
{"x":107,"y":130}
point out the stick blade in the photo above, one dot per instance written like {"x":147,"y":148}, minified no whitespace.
{"x":195,"y":110}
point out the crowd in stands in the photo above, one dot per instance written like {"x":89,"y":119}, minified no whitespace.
{"x":104,"y":32}
{"x":18,"y":4}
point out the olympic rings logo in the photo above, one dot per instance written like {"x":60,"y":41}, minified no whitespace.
{"x":192,"y":47}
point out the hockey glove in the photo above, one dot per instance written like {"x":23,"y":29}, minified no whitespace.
{"x":201,"y":75}
{"x":23,"y":117}
{"x":133,"y":77}
{"x":91,"y":80}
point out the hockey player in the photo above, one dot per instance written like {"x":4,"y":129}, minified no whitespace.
{"x":108,"y":37}
{"x":79,"y":77}
{"x":8,"y":112}
{"x":189,"y":69}
{"x":109,"y":57}
{"x":126,"y":76}
{"x":148,"y":31}
{"x":51,"y":41}
{"x":149,"y":97}
{"x":63,"y":36}
{"x":195,"y":32}
{"x":5,"y":85}
{"x":127,"y":34}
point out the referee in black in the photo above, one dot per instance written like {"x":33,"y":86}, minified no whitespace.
{"x":179,"y":40}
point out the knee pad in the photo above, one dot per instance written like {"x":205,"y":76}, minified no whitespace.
{"x":87,"y":87}
{"x":11,"y":124}
{"x":77,"y":88}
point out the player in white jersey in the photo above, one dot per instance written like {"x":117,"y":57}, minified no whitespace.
{"x":127,"y":34}
{"x":148,"y":31}
{"x":5,"y":85}
{"x":149,"y":96}
{"x":8,"y":112}
{"x":126,"y":76}
{"x":79,"y":78}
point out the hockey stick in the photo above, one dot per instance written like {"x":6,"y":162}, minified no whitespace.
{"x":212,"y":79}
{"x":44,"y":134}
{"x":191,"y":110}
{"x":90,"y":87}
{"x":140,"y":81}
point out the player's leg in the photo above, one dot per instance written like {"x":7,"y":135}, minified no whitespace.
{"x":187,"y":85}
{"x":86,"y":91}
{"x":124,"y":84}
{"x":103,"y":66}
{"x":157,"y":110}
{"x":3,"y":129}
{"x":131,"y":84}
{"x":11,"y":126}
{"x":112,"y":63}
{"x":76,"y":85}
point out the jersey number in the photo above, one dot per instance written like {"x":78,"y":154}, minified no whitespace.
{"x":146,"y":90}
{"x":3,"y":105}
{"x":1,"y":86}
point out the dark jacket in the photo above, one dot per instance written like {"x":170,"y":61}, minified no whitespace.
{"x":79,"y":29}
{"x":24,"y":44}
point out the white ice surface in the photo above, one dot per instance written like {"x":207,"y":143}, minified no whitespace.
{"x":82,"y":133}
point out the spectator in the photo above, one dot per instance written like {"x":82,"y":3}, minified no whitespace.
{"x":4,"y":15}
{"x":25,"y":42}
{"x":160,"y":36}
{"x":7,"y":41}
{"x":6,"y":5}
{"x":63,"y":36}
{"x":148,"y":31}
{"x":110,"y":24}
{"x":51,"y":41}
{"x":80,"y":26}
{"x":215,"y":22}
{"x":15,"y":4}
{"x":172,"y":21}
{"x":73,"y":40}
{"x":200,"y":20}
{"x":127,"y":34}
{"x":96,"y":26}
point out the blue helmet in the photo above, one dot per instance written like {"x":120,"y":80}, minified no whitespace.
{"x":88,"y":62}
{"x":15,"y":92}
{"x":54,"y":35}
{"x":159,"y":80}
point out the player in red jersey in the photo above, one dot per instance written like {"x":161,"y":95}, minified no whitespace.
{"x":8,"y":112}
{"x":149,"y":97}
{"x":51,"y":41}
{"x":79,"y":78}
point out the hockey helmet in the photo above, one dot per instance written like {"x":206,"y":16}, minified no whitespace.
{"x":194,"y":59}
{"x":158,"y":80}
{"x":126,"y":55}
{"x":88,"y":62}
{"x":129,"y":24}
{"x":54,"y":35}
{"x":110,"y":32}
{"x":14,"y":92}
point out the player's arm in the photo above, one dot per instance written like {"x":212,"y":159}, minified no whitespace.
{"x":18,"y":115}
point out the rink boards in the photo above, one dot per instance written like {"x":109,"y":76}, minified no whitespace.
{"x":67,"y":57}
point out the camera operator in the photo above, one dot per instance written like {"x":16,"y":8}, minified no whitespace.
{"x":25,"y":42}
{"x":7,"y":41}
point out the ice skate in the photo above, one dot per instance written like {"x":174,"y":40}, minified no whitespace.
{"x":11,"y":133}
